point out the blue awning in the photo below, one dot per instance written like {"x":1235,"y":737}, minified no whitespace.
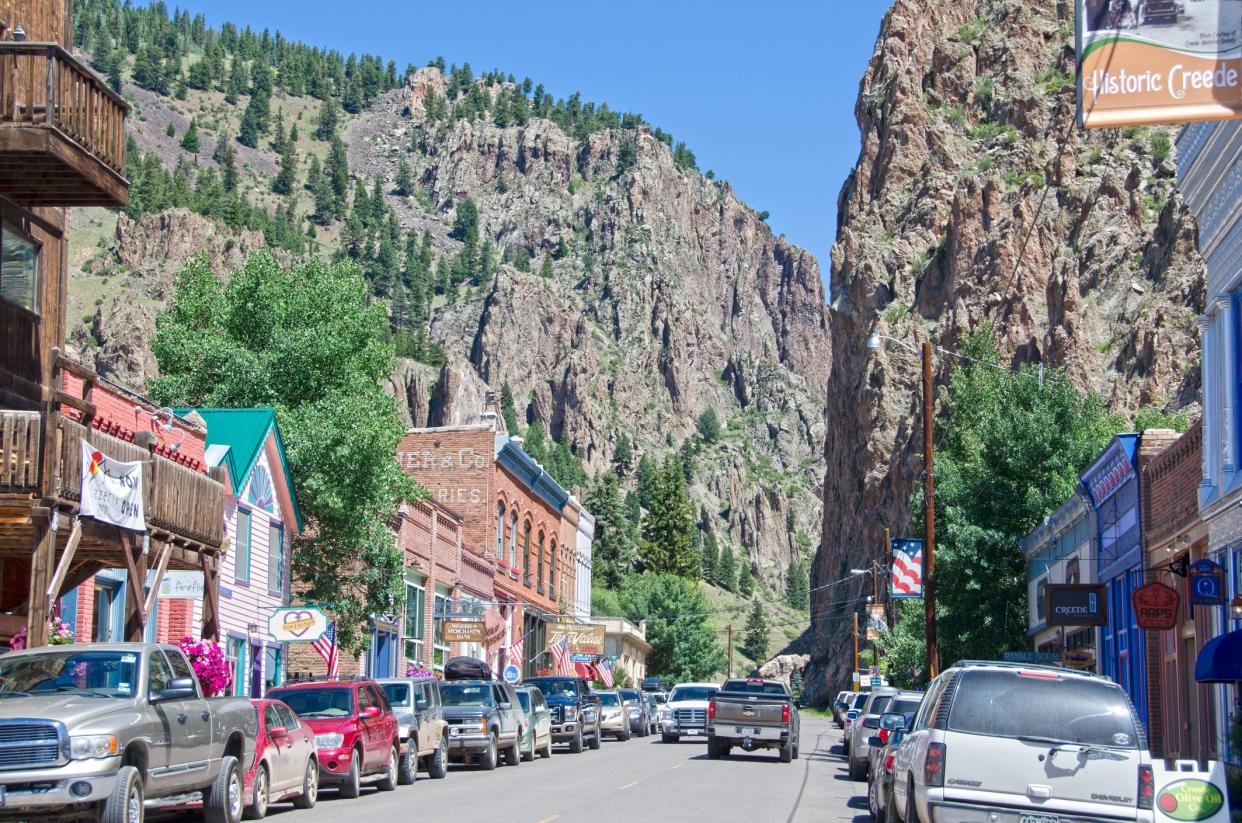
{"x":1220,"y":661}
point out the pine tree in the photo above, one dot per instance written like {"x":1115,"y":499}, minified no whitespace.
{"x":226,"y":156}
{"x":797,"y":586}
{"x":287,"y":177}
{"x":326,"y":123}
{"x":114,"y":67}
{"x":613,"y":548}
{"x":171,"y":131}
{"x":623,"y":457}
{"x":545,"y":269}
{"x":755,"y":644}
{"x":466,"y":223}
{"x":536,"y":444}
{"x":189,"y":140}
{"x":668,"y":527}
{"x":745,"y":577}
{"x":726,"y":569}
{"x":709,"y":426}
{"x":645,"y":479}
{"x":507,"y":411}
{"x":405,"y":179}
{"x":710,"y":557}
{"x":200,"y":75}
{"x":337,"y":172}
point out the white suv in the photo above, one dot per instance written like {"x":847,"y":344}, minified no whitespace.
{"x":1004,"y":743}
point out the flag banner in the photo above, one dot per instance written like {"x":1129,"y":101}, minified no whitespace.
{"x":326,"y":646}
{"x":111,"y":490}
{"x":1158,"y":61}
{"x":603,"y":670}
{"x":906,"y":579}
{"x":560,"y":654}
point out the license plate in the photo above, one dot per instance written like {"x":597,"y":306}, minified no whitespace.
{"x":1038,"y":818}
{"x":747,"y":732}
{"x":692,"y":731}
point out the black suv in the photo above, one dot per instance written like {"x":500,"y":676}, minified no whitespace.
{"x":574,"y":708}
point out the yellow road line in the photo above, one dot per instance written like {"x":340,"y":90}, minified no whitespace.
{"x":630,"y":785}
{"x":549,"y":819}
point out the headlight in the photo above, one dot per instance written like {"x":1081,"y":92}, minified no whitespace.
{"x":571,"y":712}
{"x":635,"y":712}
{"x":92,"y":746}
{"x":332,"y":740}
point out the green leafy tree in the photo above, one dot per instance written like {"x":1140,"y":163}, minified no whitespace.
{"x":307,"y":341}
{"x":1012,"y":447}
{"x":709,"y":426}
{"x":189,"y":140}
{"x":755,"y":642}
{"x":668,"y":526}
{"x":545,"y":268}
{"x":612,"y":553}
{"x":726,"y":569}
{"x":679,"y":626}
{"x":1153,"y":417}
{"x":623,"y":457}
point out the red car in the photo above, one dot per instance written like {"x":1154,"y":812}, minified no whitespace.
{"x":356,"y":733}
{"x":285,"y":763}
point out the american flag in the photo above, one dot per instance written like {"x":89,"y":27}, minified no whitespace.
{"x":560,"y":653}
{"x":515,"y":651}
{"x":326,"y":646}
{"x":907,"y":576}
{"x":604,"y":669}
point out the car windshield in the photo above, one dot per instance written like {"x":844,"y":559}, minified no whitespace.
{"x":556,"y":688}
{"x":462,"y":694}
{"x":880,"y":704}
{"x":608,"y":699}
{"x":329,"y":701}
{"x":629,"y":694}
{"x":398,"y":693}
{"x":904,"y":705}
{"x":1049,"y":707}
{"x":106,"y":674}
{"x":754,"y":687}
{"x":524,"y":699}
{"x":692,"y":693}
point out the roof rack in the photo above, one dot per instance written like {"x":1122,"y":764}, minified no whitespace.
{"x":1008,"y":664}
{"x":298,"y":677}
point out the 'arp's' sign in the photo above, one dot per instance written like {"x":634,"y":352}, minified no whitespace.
{"x":1155,"y":606}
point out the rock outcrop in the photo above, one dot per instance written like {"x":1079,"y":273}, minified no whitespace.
{"x":976,"y":199}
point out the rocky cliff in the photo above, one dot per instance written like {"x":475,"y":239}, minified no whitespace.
{"x":667,"y":296}
{"x":975,"y":198}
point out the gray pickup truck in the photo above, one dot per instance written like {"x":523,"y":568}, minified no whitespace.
{"x":98,"y":729}
{"x":753,"y":714}
{"x":484,"y":719}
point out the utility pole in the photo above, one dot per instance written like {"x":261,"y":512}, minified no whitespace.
{"x":890,"y":608}
{"x":729,"y":665}
{"x":856,"y":648}
{"x":929,"y":517}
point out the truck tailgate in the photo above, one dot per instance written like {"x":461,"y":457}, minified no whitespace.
{"x":749,"y":711}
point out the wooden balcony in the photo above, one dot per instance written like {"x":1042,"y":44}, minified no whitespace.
{"x":62,"y":130}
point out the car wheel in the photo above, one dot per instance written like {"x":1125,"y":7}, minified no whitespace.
{"x":389,"y":781}
{"x":310,"y":787}
{"x":713,"y":749}
{"x":513,"y":754}
{"x":669,"y":738}
{"x":437,"y":766}
{"x":546,"y":751}
{"x":259,"y":796}
{"x":624,"y":735}
{"x":795,"y":751}
{"x":529,"y":754}
{"x":124,"y":805}
{"x":890,"y":809}
{"x":575,"y":745}
{"x":595,"y":739}
{"x":407,"y":770}
{"x":787,"y":752}
{"x":351,"y":786}
{"x":222,"y":801}
{"x":487,"y":760}
{"x":873,"y":806}
{"x":858,"y":771}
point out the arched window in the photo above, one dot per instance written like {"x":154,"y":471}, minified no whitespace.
{"x":539,"y":579}
{"x":500,"y":531}
{"x":552,"y":571}
{"x":526,"y":554}
{"x":513,"y":530}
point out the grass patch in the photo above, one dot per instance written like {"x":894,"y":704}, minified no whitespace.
{"x":1018,"y":179}
{"x":972,"y":31}
{"x":896,"y":312}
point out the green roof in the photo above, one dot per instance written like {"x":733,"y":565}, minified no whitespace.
{"x":244,"y":431}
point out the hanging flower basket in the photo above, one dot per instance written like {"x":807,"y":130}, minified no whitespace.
{"x":58,"y":634}
{"x":210,"y":665}
{"x":417,"y":670}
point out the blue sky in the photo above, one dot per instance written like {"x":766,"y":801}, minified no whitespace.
{"x":762,"y":93}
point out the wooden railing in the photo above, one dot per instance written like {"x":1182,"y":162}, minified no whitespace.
{"x":177,"y":500}
{"x":41,"y":84}
{"x":20,"y":433}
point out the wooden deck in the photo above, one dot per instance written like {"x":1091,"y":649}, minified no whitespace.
{"x":62,"y":130}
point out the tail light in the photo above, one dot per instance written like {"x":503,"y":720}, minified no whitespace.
{"x":933,"y":767}
{"x":785,"y":713}
{"x":883,"y":735}
{"x":888,"y":762}
{"x":1146,"y":787}
{"x":711,"y":710}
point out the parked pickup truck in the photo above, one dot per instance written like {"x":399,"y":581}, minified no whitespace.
{"x":100,"y":728}
{"x":752,"y":714}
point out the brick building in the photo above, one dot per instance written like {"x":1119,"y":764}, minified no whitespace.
{"x":1181,"y":714}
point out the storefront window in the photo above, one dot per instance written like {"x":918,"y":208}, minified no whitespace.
{"x":1041,"y":590}
{"x":1072,"y":574}
{"x":19,"y":270}
{"x":415,"y":608}
{"x":441,"y":607}
{"x":236,"y":654}
{"x":500,"y":532}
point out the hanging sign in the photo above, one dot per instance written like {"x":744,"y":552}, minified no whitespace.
{"x":180,"y":584}
{"x":111,"y":490}
{"x":1158,"y":61}
{"x":1076,"y":604}
{"x":464,"y":631}
{"x":584,"y":638}
{"x":1155,"y":606}
{"x":906,"y":579}
{"x":1207,"y":583}
{"x":297,"y":624}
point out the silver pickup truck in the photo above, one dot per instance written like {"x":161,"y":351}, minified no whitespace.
{"x":101,"y":728}
{"x":753,"y":714}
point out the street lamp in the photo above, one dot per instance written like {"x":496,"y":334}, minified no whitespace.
{"x":874,"y":343}
{"x":1235,"y":607}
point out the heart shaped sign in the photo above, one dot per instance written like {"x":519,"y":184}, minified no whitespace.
{"x":298,"y":623}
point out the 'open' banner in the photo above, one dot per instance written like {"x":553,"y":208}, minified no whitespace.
{"x":111,"y":490}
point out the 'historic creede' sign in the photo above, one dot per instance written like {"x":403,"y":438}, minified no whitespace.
{"x":111,"y":490}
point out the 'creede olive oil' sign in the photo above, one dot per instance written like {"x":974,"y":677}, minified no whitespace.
{"x":1190,"y":800}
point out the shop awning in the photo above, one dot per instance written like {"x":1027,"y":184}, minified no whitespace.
{"x":1220,"y":661}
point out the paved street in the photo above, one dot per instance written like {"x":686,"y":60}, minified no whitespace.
{"x":642,"y":779}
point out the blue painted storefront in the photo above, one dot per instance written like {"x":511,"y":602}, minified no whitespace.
{"x":1111,"y":485}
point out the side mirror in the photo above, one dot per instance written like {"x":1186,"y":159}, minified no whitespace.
{"x":421,"y":704}
{"x":892,"y":721}
{"x":371,"y":712}
{"x":874,"y":742}
{"x":278,"y":733}
{"x":179,"y":688}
